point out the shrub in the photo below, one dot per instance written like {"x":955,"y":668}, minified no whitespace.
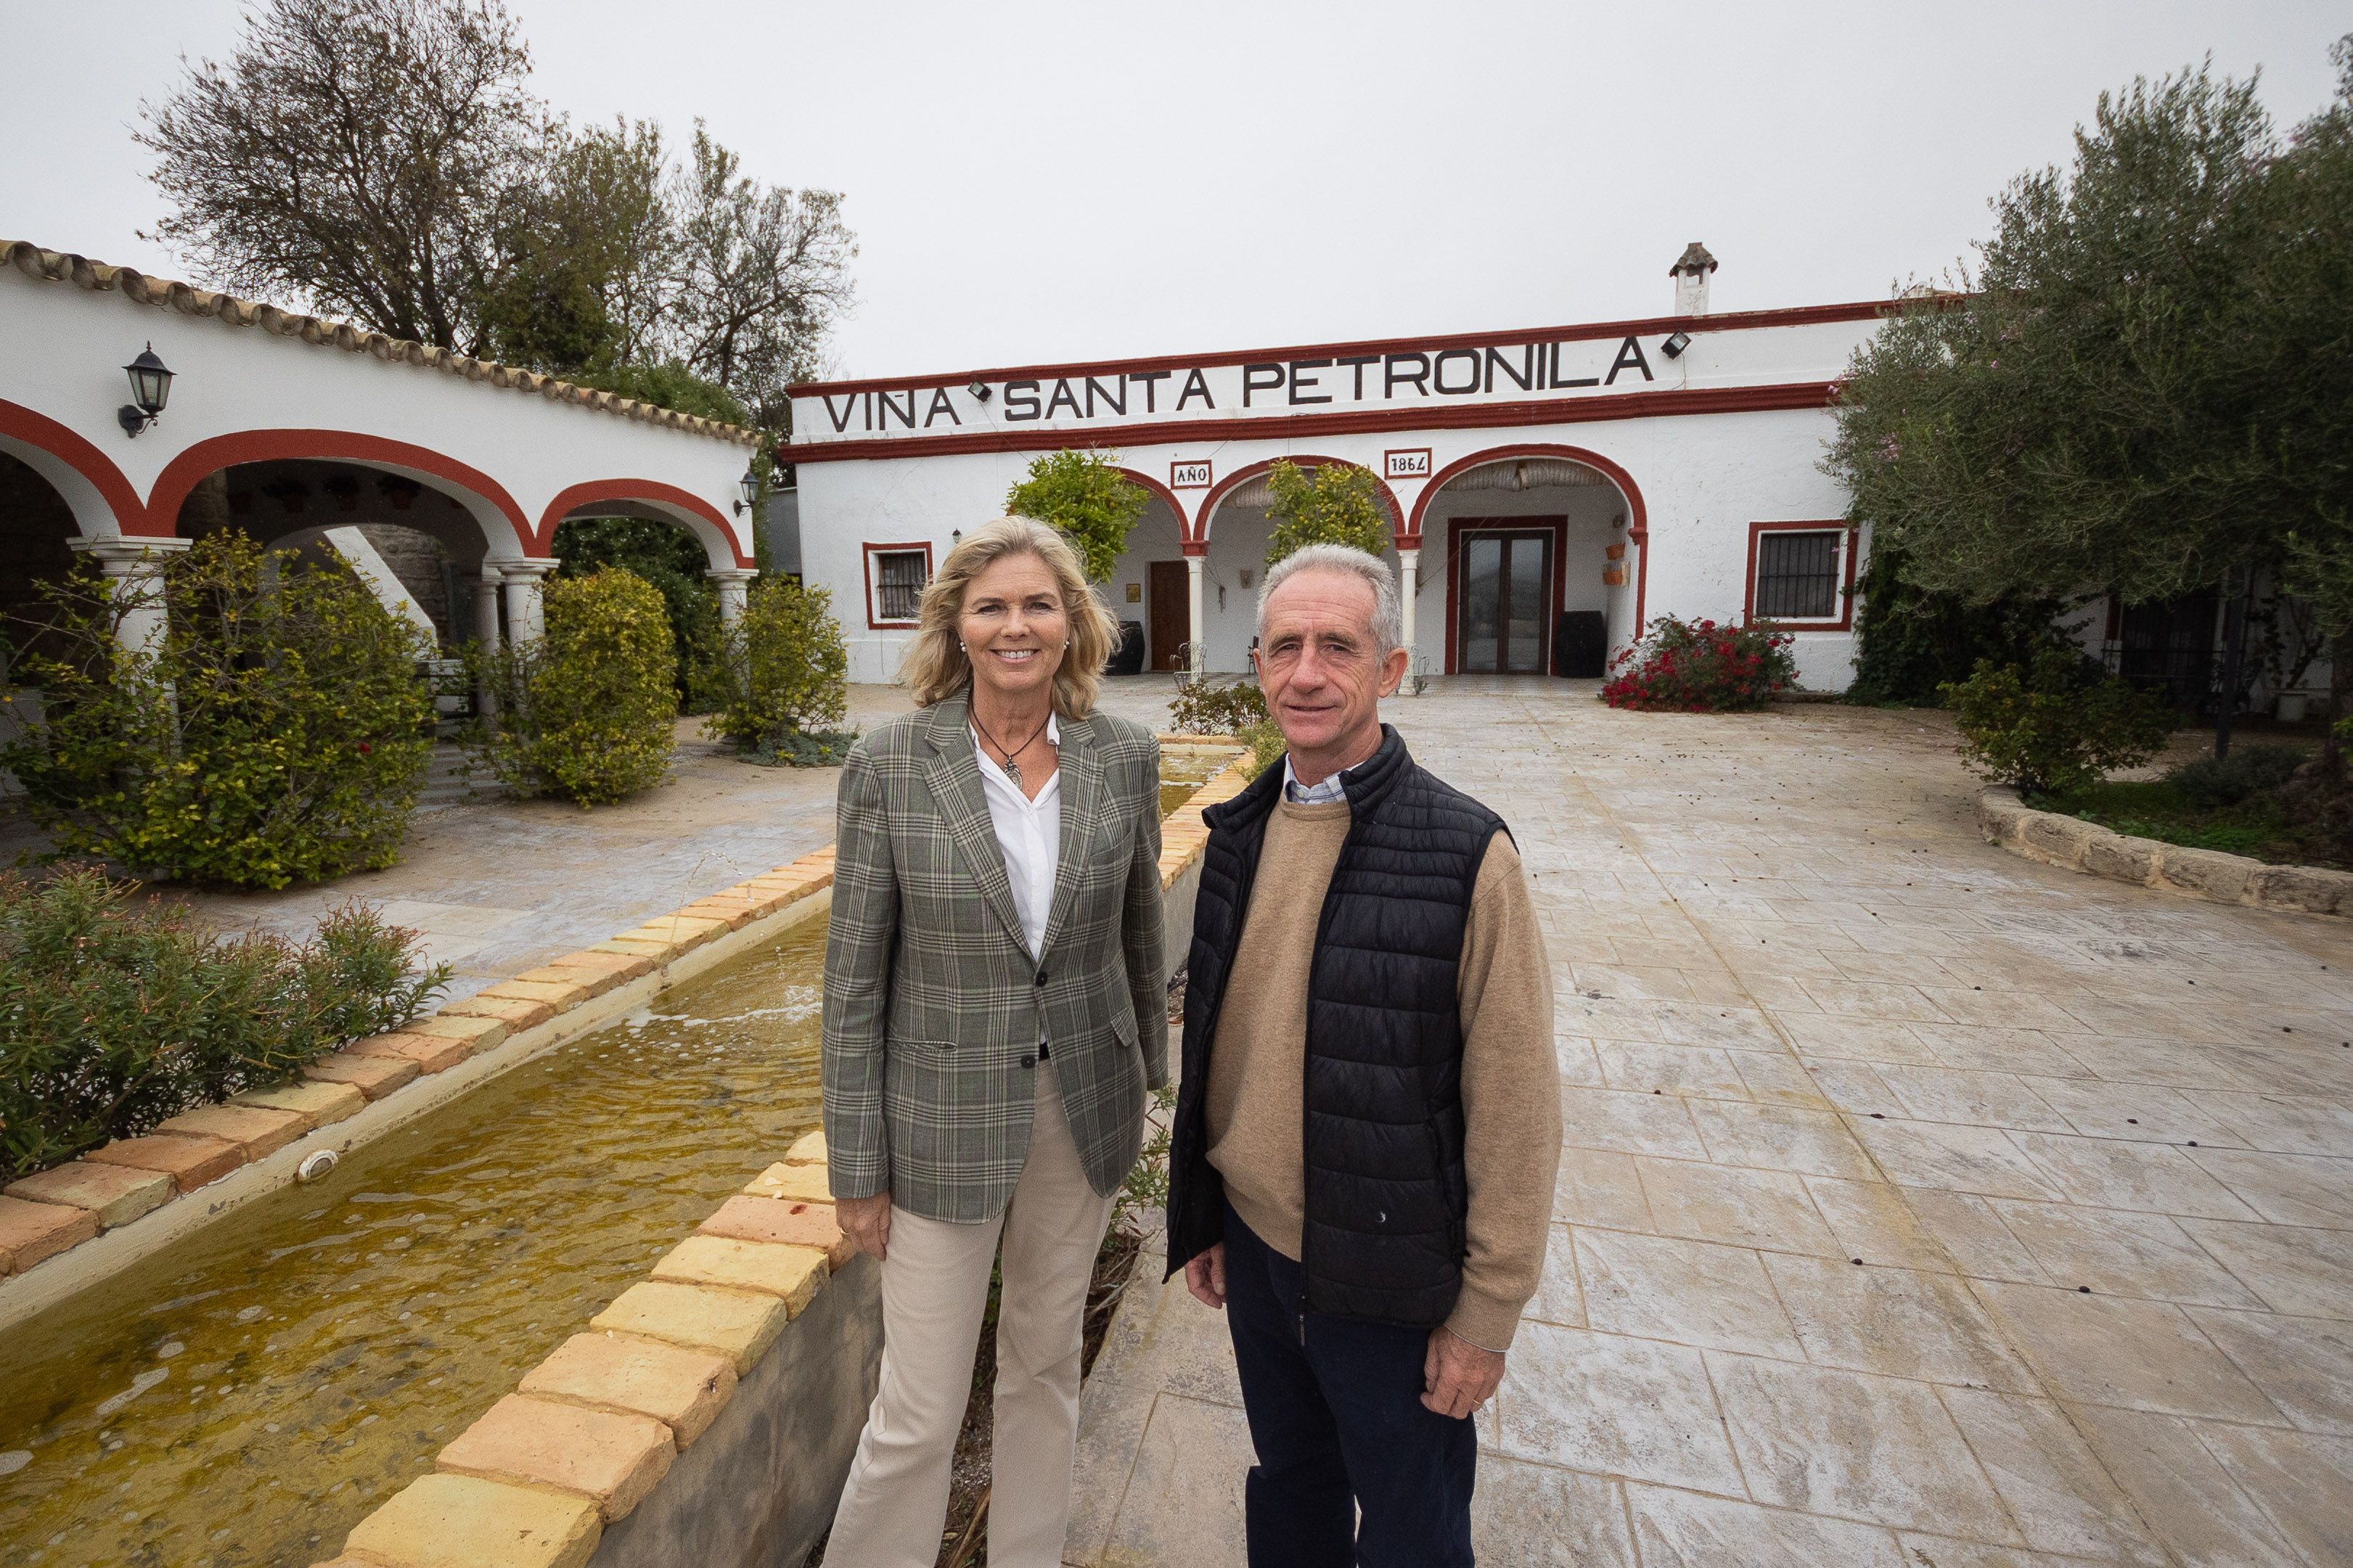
{"x":2059,"y":726}
{"x":1699,"y":666}
{"x":115,"y":1016}
{"x":1266,"y":745}
{"x":782,"y":672}
{"x":2248,"y":770}
{"x":1201,"y":708}
{"x":587,"y":712}
{"x":277,"y":733}
{"x":673,"y":561}
{"x":1084,"y":498}
{"x":1331,"y":503}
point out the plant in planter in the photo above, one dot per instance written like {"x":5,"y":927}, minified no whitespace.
{"x":1700,"y":667}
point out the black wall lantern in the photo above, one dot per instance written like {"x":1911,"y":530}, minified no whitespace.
{"x":150,"y":388}
{"x":748,"y":487}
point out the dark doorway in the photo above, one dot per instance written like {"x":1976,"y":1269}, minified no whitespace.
{"x":1503,"y":619}
{"x":2169,"y":648}
{"x":1171,"y":610}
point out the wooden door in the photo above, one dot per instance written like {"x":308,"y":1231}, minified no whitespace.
{"x":1170,"y":591}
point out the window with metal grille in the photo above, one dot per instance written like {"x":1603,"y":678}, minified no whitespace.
{"x":899,"y":579}
{"x":1797,"y":577}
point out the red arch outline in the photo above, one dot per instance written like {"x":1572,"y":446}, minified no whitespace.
{"x":1162,"y":492}
{"x":182,"y":473}
{"x":573,"y":496}
{"x":1242,"y":476}
{"x":75,"y":451}
{"x":1638,"y":514}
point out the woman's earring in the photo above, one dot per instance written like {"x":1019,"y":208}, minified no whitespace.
{"x":960,"y":648}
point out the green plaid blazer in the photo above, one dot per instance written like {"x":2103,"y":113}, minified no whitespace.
{"x":934,"y":1007}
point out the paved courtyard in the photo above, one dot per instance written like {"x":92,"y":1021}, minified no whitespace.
{"x":1921,"y":1206}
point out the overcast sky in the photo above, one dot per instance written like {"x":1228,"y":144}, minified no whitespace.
{"x":1033,"y":183}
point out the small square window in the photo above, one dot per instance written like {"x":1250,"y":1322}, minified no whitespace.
{"x":897,"y":576}
{"x":1797,"y":575}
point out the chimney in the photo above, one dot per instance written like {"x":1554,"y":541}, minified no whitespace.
{"x":1690,"y":273}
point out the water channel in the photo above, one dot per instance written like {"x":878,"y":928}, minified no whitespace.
{"x":246,"y":1396}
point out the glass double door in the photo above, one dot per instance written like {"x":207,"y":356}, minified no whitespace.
{"x":1503,"y":618}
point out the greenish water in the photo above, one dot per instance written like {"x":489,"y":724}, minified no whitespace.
{"x":247,"y":1394}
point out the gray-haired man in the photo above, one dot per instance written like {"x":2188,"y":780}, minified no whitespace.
{"x":1368,"y":1126}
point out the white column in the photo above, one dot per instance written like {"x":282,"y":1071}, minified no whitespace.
{"x":1196,"y":655}
{"x":134,"y":569}
{"x":526,"y":613}
{"x":486,"y":606}
{"x":734,"y":586}
{"x":1409,"y":581}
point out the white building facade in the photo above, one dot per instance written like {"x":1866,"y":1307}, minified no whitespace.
{"x":1550,"y":491}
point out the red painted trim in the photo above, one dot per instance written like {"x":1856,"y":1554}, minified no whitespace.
{"x":1638,"y":514}
{"x":1162,"y":492}
{"x":1296,"y":426}
{"x":1636,"y":327}
{"x":184,"y":472}
{"x":866,"y":554}
{"x":1243,"y":475}
{"x":1464,"y":527}
{"x":76,"y":452}
{"x":1196,"y":547}
{"x":573,"y":498}
{"x":1847,"y":550}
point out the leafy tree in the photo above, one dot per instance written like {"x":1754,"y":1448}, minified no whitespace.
{"x":1330,"y":503}
{"x":1910,"y":640}
{"x":1085,"y":498}
{"x":2146,"y":391}
{"x":384,"y":161}
{"x":360,"y":154}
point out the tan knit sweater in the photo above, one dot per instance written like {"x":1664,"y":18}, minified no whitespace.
{"x":1511,"y":1084}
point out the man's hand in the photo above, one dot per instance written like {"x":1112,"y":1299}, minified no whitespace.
{"x":1456,"y":1376}
{"x":868,"y":1223}
{"x":1206,"y":1276}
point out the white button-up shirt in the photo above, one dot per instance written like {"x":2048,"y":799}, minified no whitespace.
{"x":1031,"y":834}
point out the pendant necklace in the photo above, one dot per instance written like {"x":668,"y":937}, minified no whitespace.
{"x":1012,"y":768}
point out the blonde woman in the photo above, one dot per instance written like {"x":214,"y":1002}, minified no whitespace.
{"x":994,"y":1014}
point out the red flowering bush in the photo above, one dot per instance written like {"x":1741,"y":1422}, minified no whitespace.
{"x":1699,"y":666}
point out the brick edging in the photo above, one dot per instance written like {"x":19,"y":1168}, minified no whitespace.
{"x":590,"y":1433}
{"x":2057,"y":840}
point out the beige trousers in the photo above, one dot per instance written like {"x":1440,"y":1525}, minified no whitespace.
{"x":934,"y":1290}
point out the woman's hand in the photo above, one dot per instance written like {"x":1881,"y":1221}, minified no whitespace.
{"x":866,"y":1222}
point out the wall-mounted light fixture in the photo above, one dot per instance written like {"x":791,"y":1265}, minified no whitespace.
{"x":150,"y":388}
{"x":979,"y":389}
{"x":748,"y":487}
{"x":1675,"y":344}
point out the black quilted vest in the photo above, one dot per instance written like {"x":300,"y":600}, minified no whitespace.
{"x":1384,"y":1106}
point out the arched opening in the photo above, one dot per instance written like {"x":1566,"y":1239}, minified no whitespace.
{"x":1148,"y":590}
{"x":675,"y":541}
{"x":1542,"y":548}
{"x":36,"y":531}
{"x":1236,"y":531}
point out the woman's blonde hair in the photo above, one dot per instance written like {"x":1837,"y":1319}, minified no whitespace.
{"x":935,"y":666}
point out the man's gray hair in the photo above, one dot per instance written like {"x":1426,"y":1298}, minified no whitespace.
{"x":1388,"y":620}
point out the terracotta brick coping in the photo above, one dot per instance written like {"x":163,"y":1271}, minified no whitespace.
{"x":2058,"y":839}
{"x":589,"y":1434}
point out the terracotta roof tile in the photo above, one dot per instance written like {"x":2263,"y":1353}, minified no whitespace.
{"x":63,"y":267}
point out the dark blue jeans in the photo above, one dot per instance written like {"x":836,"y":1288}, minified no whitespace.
{"x":1336,"y":1417}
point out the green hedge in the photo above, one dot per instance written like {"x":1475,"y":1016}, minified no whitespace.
{"x":277,"y":734}
{"x":115,"y":1015}
{"x":784,"y":677}
{"x":2059,"y":725}
{"x":586,"y":712}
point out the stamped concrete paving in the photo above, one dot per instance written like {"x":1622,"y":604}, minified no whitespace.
{"x":1921,"y":1206}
